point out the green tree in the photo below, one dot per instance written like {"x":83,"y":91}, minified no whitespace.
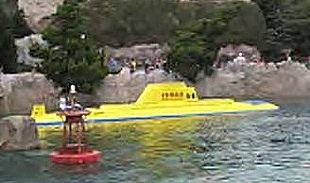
{"x":277,"y":35}
{"x":297,"y":23}
{"x":7,"y":50}
{"x":246,"y":24}
{"x":71,"y":57}
{"x":287,"y":24}
{"x":124,"y":23}
{"x":187,"y":54}
{"x":12,"y":26}
{"x":195,"y":47}
{"x":19,"y":25}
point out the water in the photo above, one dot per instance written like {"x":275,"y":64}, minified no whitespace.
{"x":269,"y":147}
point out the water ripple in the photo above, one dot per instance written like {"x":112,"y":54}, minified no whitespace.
{"x":267,"y":147}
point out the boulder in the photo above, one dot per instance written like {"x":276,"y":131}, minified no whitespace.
{"x":126,"y":87}
{"x":20,"y":91}
{"x":37,"y":11}
{"x":18,"y":133}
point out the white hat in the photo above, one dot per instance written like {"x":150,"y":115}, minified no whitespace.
{"x":72,"y":89}
{"x":62,"y":99}
{"x":62,"y":103}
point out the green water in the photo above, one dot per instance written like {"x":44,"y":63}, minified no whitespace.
{"x":268,"y":147}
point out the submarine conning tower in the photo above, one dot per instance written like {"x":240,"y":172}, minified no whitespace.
{"x":170,"y":91}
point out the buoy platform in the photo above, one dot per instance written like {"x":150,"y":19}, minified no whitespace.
{"x":72,"y":156}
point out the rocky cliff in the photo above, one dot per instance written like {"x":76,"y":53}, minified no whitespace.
{"x":38,"y":11}
{"x":251,"y":80}
{"x":286,"y":79}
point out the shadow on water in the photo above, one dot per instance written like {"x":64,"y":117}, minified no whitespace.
{"x":270,"y":147}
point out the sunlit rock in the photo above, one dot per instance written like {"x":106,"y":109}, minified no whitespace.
{"x":20,"y":91}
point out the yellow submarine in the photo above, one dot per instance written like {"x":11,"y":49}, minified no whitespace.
{"x":158,"y":101}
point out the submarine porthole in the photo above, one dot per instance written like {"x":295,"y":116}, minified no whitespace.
{"x":167,"y":95}
{"x":176,"y":94}
{"x":188,"y":96}
{"x":193,"y":96}
{"x":171,"y":94}
{"x":181,"y":94}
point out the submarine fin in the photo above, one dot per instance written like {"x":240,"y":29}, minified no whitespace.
{"x":38,"y":110}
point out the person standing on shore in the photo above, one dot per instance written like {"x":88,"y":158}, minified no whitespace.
{"x":133,"y":65}
{"x":240,"y":59}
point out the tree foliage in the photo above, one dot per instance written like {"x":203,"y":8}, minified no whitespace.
{"x":195,"y":47}
{"x":187,"y":54}
{"x":124,"y":23}
{"x":12,"y":26}
{"x":287,"y":22}
{"x":276,"y":37}
{"x":71,"y":58}
{"x":297,"y":23}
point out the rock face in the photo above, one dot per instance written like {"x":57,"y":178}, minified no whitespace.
{"x":23,"y":46}
{"x":126,"y":87}
{"x":287,"y":79}
{"x":18,"y":92}
{"x":150,"y":51}
{"x":230,"y":52}
{"x":18,"y":133}
{"x":36,"y":11}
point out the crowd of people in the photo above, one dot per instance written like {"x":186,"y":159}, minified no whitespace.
{"x":115,"y":65}
{"x":241,"y":59}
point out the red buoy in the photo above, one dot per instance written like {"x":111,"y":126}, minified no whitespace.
{"x":74,"y":148}
{"x":71,"y":159}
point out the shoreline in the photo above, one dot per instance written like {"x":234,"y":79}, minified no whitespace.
{"x":291,"y":80}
